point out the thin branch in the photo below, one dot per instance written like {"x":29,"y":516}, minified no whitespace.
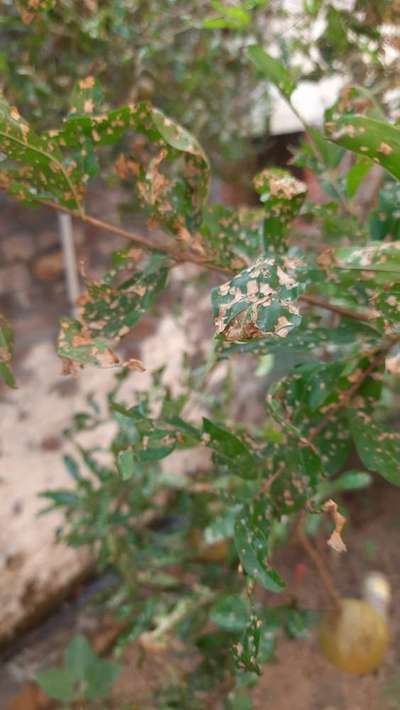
{"x":329,"y":174}
{"x":356,"y":315}
{"x":182,"y":257}
{"x":318,"y":563}
{"x":178,"y":256}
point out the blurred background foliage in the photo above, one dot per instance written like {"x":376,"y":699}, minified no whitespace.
{"x":188,"y":57}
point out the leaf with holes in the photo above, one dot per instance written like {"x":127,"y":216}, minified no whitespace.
{"x":175,"y":197}
{"x":260,"y":300}
{"x":110,"y":308}
{"x":79,"y":348}
{"x":282,"y":196}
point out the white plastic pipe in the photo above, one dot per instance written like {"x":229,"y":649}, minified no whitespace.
{"x":71,"y":270}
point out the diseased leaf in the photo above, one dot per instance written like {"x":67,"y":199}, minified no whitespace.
{"x":79,"y":348}
{"x":260,"y":300}
{"x":35,"y":168}
{"x":382,"y":257}
{"x":231,"y":236}
{"x":246,"y":651}
{"x":174,"y":200}
{"x":6,"y":352}
{"x":282,"y":196}
{"x":109,"y":309}
{"x":378,"y":449}
{"x":251,"y":540}
{"x":271,"y":69}
{"x":377,"y":140}
{"x":309,"y":337}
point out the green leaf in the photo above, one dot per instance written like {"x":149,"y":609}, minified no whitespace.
{"x":99,"y":678}
{"x":61,"y":498}
{"x":377,"y":140}
{"x":72,"y":467}
{"x":378,"y":449}
{"x":79,"y":657}
{"x":6,"y":352}
{"x":331,"y":155}
{"x":349,"y":481}
{"x":260,"y":300}
{"x":229,"y":612}
{"x":384,"y":220}
{"x":230,"y":451}
{"x":271,"y":69}
{"x":234,"y":18}
{"x":251,"y":540}
{"x":125,"y":463}
{"x":356,"y":174}
{"x":57,"y":684}
{"x":239,"y":700}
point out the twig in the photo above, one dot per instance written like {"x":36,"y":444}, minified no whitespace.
{"x":318,"y":562}
{"x":182,"y":257}
{"x":178,"y":256}
{"x":341,"y":310}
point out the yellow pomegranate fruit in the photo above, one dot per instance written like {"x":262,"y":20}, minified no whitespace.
{"x":355,"y":638}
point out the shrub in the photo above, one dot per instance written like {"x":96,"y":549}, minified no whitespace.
{"x":318,"y":280}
